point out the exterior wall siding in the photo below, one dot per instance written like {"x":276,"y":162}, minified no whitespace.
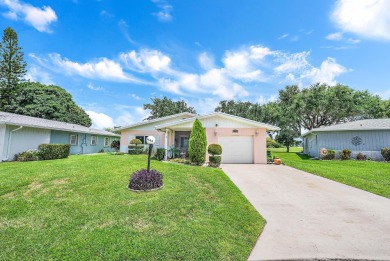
{"x":25,"y":139}
{"x":2,"y":141}
{"x":128,"y":135}
{"x":372,"y":141}
{"x":84,"y":142}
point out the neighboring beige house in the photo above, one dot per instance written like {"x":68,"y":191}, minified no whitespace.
{"x":242,"y":140}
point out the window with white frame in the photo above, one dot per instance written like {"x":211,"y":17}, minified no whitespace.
{"x":143,"y":139}
{"x":106,"y":141}
{"x":73,"y":139}
{"x":94,"y":140}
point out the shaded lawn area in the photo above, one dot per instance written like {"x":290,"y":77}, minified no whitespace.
{"x":80,"y":208}
{"x":367,"y":175}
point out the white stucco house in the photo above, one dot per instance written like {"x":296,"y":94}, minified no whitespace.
{"x":242,"y":140}
{"x":363,"y":136}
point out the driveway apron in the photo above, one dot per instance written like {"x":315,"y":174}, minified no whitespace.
{"x":312,"y":217}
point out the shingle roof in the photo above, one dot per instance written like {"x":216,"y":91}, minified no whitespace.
{"x":370,"y":124}
{"x":225,"y":115}
{"x":22,"y":120}
{"x":157,"y":120}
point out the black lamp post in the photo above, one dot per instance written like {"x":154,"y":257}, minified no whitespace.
{"x":150,"y":140}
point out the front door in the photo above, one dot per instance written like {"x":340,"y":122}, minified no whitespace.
{"x":183,"y":143}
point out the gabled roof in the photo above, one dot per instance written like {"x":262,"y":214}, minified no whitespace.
{"x":223,"y":115}
{"x":370,"y":124}
{"x":156,"y":120}
{"x":28,"y":121}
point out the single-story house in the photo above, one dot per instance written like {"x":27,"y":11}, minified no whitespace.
{"x":363,"y":136}
{"x":242,"y":140}
{"x":19,"y":133}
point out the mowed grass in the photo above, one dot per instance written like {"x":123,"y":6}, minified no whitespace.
{"x":367,"y":175}
{"x":80,"y":208}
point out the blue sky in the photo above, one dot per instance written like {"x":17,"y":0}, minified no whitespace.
{"x":113,"y":56}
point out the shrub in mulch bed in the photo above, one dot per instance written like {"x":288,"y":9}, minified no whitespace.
{"x":142,"y":180}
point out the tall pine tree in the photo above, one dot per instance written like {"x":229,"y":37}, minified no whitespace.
{"x":12,"y":68}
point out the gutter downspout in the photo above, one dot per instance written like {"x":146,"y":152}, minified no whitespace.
{"x":10,"y":140}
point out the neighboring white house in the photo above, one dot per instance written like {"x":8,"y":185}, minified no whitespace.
{"x":19,"y":133}
{"x":364,"y":136}
{"x":242,"y":140}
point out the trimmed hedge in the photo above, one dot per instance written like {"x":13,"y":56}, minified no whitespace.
{"x":135,"y":142}
{"x":136,"y":150}
{"x":214,"y":149}
{"x":214,"y":161}
{"x":53,"y":151}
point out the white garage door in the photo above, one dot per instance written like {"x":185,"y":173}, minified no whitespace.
{"x":236,"y":149}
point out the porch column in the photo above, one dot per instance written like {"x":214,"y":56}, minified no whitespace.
{"x":166,"y":144}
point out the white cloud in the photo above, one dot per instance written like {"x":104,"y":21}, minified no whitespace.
{"x":123,"y":27}
{"x":165,"y":13}
{"x":338,"y":36}
{"x":169,"y":85}
{"x":283,"y":36}
{"x":129,"y":114}
{"x":100,"y":120}
{"x":353,"y":41}
{"x":292,"y":62}
{"x":369,"y":18}
{"x":105,"y":13}
{"x":135,"y":96}
{"x":384,"y":94}
{"x":39,"y":18}
{"x":94,"y":88}
{"x":264,"y":100}
{"x":37,"y":74}
{"x":146,"y":60}
{"x":206,"y":61}
{"x":242,"y":64}
{"x":103,"y":68}
{"x":239,"y":71}
{"x":327,"y":72}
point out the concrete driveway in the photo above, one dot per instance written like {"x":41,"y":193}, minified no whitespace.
{"x":312,"y":217}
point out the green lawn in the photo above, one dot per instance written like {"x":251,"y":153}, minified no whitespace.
{"x":80,"y":208}
{"x":367,"y":175}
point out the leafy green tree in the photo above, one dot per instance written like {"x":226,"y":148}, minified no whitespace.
{"x":49,"y":102}
{"x":12,"y":68}
{"x":197,"y":144}
{"x":165,"y":107}
{"x":324,"y":105}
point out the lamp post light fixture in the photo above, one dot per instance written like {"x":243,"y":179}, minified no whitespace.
{"x":150,"y":140}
